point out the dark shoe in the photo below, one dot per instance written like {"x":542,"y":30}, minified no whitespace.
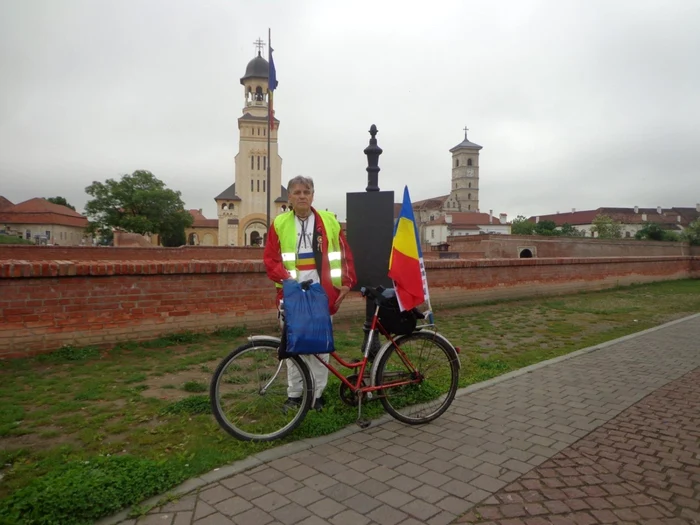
{"x":292,"y":403}
{"x":318,"y":404}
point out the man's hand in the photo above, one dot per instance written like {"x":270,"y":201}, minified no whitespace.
{"x":344,"y":290}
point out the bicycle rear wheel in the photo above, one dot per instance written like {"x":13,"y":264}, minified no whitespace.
{"x":248,"y":392}
{"x":435,"y":370}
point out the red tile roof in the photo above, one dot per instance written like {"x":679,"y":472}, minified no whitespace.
{"x":5,"y":203}
{"x":41,"y":211}
{"x":200,"y":221}
{"x":622,"y":215}
{"x":429,"y":204}
{"x":573,"y":218}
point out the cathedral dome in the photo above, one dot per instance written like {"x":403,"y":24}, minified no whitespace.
{"x":256,"y":68}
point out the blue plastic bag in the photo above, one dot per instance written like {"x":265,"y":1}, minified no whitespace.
{"x":308,"y":325}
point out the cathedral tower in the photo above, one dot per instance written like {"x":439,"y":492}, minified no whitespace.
{"x":242,"y":207}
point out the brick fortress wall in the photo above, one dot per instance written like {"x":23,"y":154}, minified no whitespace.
{"x":509,"y":246}
{"x":47,"y":304}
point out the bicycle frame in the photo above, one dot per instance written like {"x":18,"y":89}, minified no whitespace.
{"x":362,"y":365}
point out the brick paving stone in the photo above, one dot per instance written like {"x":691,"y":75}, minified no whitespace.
{"x":253,"y":516}
{"x":215,"y":494}
{"x":588,"y":482}
{"x":290,"y":514}
{"x":326,"y":508}
{"x":349,"y":517}
{"x":183,"y":518}
{"x":387,"y":515}
{"x":215,"y":519}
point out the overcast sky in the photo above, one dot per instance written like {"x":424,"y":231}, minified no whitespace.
{"x":577,"y":104}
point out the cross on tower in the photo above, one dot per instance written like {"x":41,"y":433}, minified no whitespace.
{"x":259,"y":45}
{"x":465,"y":132}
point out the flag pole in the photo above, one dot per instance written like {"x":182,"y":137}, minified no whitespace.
{"x":269,"y":120}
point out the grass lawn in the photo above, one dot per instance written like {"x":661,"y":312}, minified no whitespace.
{"x":86,"y":432}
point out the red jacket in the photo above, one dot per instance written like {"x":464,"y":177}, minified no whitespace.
{"x":278,"y":273}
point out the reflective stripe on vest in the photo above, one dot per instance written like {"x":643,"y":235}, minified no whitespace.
{"x":286,"y":229}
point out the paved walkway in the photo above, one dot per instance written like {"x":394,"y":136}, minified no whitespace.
{"x":576,"y":441}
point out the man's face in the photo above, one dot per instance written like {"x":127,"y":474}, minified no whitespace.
{"x":301,"y":197}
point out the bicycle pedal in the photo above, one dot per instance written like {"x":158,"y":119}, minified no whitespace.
{"x":363,"y":423}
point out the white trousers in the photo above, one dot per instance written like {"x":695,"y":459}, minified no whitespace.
{"x":319,"y":373}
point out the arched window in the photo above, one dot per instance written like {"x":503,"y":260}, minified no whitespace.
{"x":470,"y":184}
{"x":251,"y":185}
{"x":252,"y":162}
{"x":469,"y":207}
{"x":258,"y":161}
{"x":284,"y":207}
{"x":469,"y":196}
{"x":265,"y":163}
{"x":230,"y":205}
{"x":258,"y":186}
{"x":223,"y":205}
{"x":456,"y":163}
{"x":258,"y":94}
{"x":264,"y":186}
{"x":469,"y":162}
{"x":264,"y":132}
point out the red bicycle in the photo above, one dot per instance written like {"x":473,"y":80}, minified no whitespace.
{"x":415,"y":376}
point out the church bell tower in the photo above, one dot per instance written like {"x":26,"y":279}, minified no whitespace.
{"x":242,"y":208}
{"x":464,"y":194}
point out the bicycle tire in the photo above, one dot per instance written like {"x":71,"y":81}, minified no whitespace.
{"x":446,"y":399}
{"x":246,"y":435}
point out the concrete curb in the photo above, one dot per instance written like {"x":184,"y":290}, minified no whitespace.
{"x":304,"y":444}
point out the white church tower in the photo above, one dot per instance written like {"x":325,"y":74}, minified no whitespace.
{"x":464,"y":194}
{"x":242,"y":207}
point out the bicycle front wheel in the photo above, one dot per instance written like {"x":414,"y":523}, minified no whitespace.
{"x":425,"y":375}
{"x":249,"y":392}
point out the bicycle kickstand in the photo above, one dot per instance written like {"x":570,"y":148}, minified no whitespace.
{"x":361,"y":422}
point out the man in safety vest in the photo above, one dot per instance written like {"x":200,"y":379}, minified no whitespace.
{"x":308,"y":244}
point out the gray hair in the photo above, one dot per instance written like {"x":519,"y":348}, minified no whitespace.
{"x":304,"y":181}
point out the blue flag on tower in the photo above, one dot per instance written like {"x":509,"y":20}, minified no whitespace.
{"x":272,"y":85}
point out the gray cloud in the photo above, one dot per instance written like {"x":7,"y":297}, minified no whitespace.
{"x":577,"y":104}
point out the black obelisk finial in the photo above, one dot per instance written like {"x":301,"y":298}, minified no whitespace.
{"x":373,"y":151}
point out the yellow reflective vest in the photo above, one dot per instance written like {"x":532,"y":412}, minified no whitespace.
{"x":285,"y":227}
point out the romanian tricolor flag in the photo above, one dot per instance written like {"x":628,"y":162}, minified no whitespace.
{"x":272,"y":85}
{"x":406,"y":266}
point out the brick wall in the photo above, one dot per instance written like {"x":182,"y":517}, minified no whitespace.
{"x":47,"y":304}
{"x":508,"y":246}
{"x":104,"y":253}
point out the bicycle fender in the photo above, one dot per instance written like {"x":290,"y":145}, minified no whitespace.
{"x":386,"y":346}
{"x":263,"y":339}
{"x":380,"y":353}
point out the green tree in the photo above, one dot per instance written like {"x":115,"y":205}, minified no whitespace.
{"x":546,"y":228}
{"x":692,"y":233}
{"x":173,"y":237}
{"x":138,"y":203}
{"x":567,"y":230}
{"x":606,"y":227}
{"x":522,"y":226}
{"x":60,"y":200}
{"x":654,"y":232}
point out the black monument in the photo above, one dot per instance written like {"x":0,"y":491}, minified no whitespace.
{"x":370,"y":227}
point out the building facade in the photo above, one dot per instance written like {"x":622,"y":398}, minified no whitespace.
{"x":242,"y":207}
{"x":43,"y":222}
